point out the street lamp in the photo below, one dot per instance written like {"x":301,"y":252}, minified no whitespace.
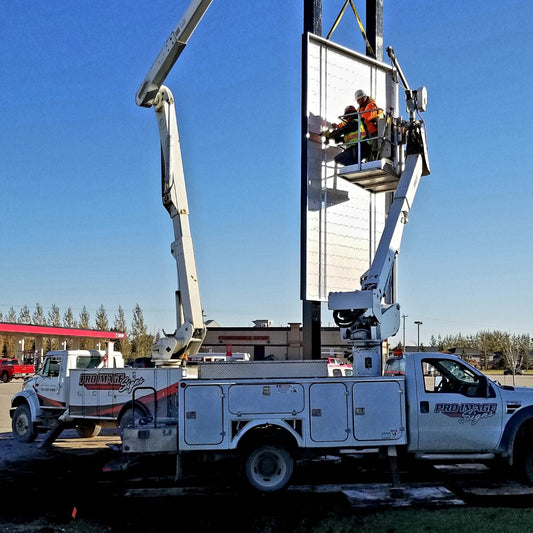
{"x":404,"y":317}
{"x":418,"y":323}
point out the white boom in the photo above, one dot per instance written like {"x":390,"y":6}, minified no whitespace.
{"x":190,"y":331}
{"x":364,"y":317}
{"x":170,"y":52}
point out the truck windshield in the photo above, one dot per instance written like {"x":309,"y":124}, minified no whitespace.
{"x":51,"y":367}
{"x":395,"y":366}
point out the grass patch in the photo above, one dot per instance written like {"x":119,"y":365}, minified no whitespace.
{"x":456,"y":520}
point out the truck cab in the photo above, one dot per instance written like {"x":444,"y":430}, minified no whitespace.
{"x":456,"y":412}
{"x":44,"y":397}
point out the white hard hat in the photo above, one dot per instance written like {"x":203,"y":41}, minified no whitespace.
{"x":359,"y":94}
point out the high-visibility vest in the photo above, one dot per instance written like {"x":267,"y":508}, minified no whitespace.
{"x":369,"y":114}
{"x":354,"y":136}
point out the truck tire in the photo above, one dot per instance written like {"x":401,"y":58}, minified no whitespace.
{"x":269,"y":468}
{"x":88,"y":429}
{"x":526,"y":465}
{"x":5,"y":377}
{"x":22,"y":424}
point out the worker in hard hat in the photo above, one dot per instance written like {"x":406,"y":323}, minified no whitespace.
{"x":369,"y":112}
{"x":351,"y":133}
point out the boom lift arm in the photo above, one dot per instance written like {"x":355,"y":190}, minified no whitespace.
{"x":363,"y":316}
{"x":170,"y":53}
{"x":190,"y":331}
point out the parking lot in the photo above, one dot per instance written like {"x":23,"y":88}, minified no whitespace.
{"x":7,"y":390}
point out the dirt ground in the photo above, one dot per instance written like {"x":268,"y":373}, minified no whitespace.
{"x":67,"y":488}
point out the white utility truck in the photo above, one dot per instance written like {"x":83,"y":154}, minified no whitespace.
{"x":57,"y":397}
{"x":436,"y":407}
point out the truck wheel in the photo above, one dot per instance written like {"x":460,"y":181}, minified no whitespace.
{"x":526,"y":465}
{"x":88,"y":430}
{"x":5,"y":377}
{"x":269,"y":468}
{"x":22,"y":424}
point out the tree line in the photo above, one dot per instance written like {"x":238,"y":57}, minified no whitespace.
{"x":515,"y":349}
{"x":136,"y":343}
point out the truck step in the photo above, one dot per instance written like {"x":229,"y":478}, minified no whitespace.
{"x":374,"y":176}
{"x":456,"y":456}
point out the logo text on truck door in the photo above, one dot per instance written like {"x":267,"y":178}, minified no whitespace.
{"x":109,"y":381}
{"x":467,"y":412}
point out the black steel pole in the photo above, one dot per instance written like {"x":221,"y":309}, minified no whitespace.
{"x":311,"y":310}
{"x":313,"y":16}
{"x":374,"y":26}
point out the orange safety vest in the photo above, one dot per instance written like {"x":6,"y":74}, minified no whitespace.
{"x":369,"y":114}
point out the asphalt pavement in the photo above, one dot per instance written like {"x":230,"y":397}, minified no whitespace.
{"x":7,"y":390}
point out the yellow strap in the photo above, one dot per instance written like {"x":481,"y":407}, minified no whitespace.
{"x":338,"y":19}
{"x":368,"y":46}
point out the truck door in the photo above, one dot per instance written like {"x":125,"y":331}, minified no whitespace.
{"x":458,"y":409}
{"x":50,"y":384}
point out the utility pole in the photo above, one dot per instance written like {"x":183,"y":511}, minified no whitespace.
{"x":404,"y":317}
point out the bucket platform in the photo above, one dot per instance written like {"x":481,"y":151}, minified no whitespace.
{"x":374,"y":176}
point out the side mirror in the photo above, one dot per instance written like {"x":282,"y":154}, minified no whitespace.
{"x":485,"y":390}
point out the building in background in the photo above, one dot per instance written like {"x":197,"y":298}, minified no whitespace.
{"x":265,"y":341}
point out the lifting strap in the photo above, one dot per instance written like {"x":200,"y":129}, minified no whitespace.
{"x":369,"y":49}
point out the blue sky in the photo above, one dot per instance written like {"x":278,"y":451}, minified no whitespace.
{"x":82,"y":219}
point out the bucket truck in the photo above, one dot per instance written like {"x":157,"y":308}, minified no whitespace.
{"x":365,"y":318}
{"x":272,"y":413}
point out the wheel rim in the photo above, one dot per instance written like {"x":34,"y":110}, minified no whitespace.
{"x":269,"y":468}
{"x":22,"y":425}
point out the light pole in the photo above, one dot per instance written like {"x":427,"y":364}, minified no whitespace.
{"x":418,"y":323}
{"x":404,"y":317}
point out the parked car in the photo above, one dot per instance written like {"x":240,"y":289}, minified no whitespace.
{"x":10,"y":368}
{"x":337,"y":367}
{"x":509,"y":371}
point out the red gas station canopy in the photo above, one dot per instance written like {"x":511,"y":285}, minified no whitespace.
{"x":50,"y":331}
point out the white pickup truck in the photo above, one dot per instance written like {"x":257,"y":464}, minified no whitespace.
{"x":432,"y":406}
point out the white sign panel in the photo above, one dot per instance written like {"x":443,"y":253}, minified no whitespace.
{"x":342,"y":222}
